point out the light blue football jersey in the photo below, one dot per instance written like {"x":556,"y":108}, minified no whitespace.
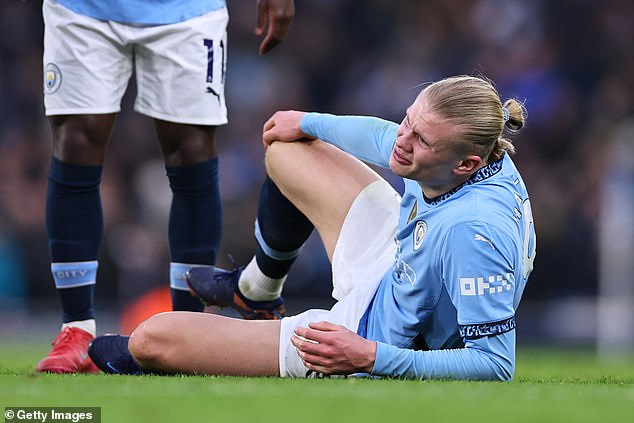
{"x":462,"y":262}
{"x":142,"y":12}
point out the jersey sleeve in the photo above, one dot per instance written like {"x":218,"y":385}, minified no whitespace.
{"x":478,"y":263}
{"x":367,"y":138}
{"x":486,"y":358}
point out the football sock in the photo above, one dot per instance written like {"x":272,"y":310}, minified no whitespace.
{"x":256,"y":286}
{"x":195,"y":222}
{"x":181,"y":296}
{"x":281,"y":230}
{"x":74,"y":222}
{"x":88,"y":325}
{"x":75,"y":283}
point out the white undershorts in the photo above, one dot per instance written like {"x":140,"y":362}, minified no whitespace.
{"x":180,"y":68}
{"x":364,"y":252}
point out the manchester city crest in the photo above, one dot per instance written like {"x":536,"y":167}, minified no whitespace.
{"x":52,"y":78}
{"x":420,"y":230}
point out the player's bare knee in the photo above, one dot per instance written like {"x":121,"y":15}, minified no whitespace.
{"x":145,"y":341}
{"x":275,"y":155}
{"x":283,"y":161}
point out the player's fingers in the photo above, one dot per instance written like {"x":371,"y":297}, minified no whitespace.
{"x":312,"y":359}
{"x":270,"y":123}
{"x":268,"y":43}
{"x":260,"y":18}
{"x":279,"y":24}
{"x":314,"y":335}
{"x":269,"y":136}
{"x":325,"y":326}
{"x":306,"y":345}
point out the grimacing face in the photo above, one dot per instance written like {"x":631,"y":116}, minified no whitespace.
{"x":422,"y":149}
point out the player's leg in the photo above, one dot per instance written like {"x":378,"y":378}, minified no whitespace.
{"x":255,"y":291}
{"x":74,"y":222}
{"x":197,"y":343}
{"x":187,"y":105}
{"x":81,"y":125}
{"x":280,"y":231}
{"x":285,"y":220}
{"x":195,"y":221}
{"x":321,"y":181}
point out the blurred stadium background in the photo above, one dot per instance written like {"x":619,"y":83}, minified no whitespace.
{"x":570,"y":60}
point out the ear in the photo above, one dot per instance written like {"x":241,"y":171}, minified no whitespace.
{"x":468,"y":165}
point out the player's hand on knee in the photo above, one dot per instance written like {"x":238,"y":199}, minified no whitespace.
{"x":284,"y":126}
{"x":333,"y":349}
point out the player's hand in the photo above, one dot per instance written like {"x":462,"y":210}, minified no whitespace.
{"x":333,"y":349}
{"x":284,"y":126}
{"x":279,"y":15}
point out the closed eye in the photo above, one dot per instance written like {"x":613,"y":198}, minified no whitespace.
{"x":408,"y":125}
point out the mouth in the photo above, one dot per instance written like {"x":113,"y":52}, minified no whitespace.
{"x":400,"y":159}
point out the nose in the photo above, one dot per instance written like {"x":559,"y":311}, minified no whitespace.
{"x":402,"y":141}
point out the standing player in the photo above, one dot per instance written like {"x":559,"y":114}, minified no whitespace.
{"x":178,"y":50}
{"x":428,"y":285}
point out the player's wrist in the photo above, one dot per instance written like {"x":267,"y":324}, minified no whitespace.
{"x":370,"y":357}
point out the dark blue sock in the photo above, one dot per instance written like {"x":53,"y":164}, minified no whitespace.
{"x":282,"y":230}
{"x":74,"y":222}
{"x":195,"y":222}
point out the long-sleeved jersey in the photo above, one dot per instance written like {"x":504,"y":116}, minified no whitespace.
{"x":447,"y":307}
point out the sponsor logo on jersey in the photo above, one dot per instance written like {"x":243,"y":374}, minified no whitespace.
{"x":420,"y":230}
{"x":485,"y":286}
{"x":482,"y":238}
{"x":52,"y":78}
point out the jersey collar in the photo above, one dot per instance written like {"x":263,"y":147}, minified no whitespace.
{"x":483,"y":173}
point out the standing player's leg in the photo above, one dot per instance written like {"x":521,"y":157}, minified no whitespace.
{"x":86,"y":71}
{"x":74,"y":222}
{"x":180,"y":70}
{"x":195,"y":221}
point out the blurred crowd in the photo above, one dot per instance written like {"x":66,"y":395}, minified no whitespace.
{"x":567,"y":60}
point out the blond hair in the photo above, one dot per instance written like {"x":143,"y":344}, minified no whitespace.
{"x":473,"y":105}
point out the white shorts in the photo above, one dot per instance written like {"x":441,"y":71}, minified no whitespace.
{"x":364,"y":252}
{"x":180,"y":68}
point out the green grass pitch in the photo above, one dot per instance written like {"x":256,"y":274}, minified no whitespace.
{"x":550,"y":386}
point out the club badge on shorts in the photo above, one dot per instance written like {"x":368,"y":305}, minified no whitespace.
{"x":52,"y":78}
{"x":420,"y":230}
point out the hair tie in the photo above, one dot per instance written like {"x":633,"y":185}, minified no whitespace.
{"x":505,"y":114}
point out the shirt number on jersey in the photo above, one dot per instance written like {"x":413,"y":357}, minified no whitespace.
{"x":529,"y":245}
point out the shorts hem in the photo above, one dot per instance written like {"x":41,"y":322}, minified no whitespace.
{"x":188,"y":120}
{"x":81,"y":111}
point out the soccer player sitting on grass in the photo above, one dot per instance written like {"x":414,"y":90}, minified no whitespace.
{"x":427,"y":284}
